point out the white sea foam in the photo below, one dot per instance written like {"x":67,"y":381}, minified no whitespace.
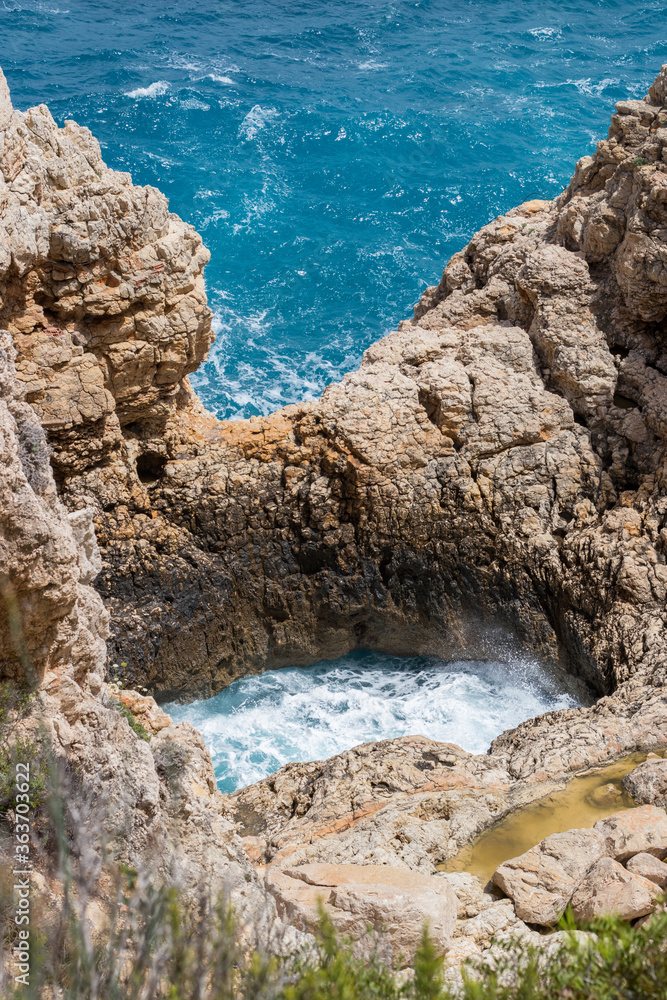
{"x":593,"y":88}
{"x":371,"y":64}
{"x":192,"y":104}
{"x":256,"y":119}
{"x":153,"y":90}
{"x":260,"y":723}
{"x":543,"y":33}
{"x":227,"y":80}
{"x":269,"y":377}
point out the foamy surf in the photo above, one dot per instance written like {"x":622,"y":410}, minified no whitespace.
{"x":153,"y":90}
{"x":260,"y":723}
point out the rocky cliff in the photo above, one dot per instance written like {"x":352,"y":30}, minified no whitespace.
{"x":494,"y":467}
{"x":494,"y":472}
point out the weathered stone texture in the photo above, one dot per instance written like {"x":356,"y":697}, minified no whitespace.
{"x":541,"y":881}
{"x":156,"y":804}
{"x":634,"y":831}
{"x":493,"y":474}
{"x":492,"y":470}
{"x":648,"y":782}
{"x":392,"y":900}
{"x":648,"y":867}
{"x":610,"y":889}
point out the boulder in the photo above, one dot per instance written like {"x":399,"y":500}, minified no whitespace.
{"x":610,"y":889}
{"x":648,"y":782}
{"x":649,"y":867}
{"x":395,"y":900}
{"x":469,"y":891}
{"x":634,"y":831}
{"x":541,"y":881}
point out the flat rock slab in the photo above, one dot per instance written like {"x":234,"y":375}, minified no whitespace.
{"x":541,"y":881}
{"x":395,"y":900}
{"x":648,"y":782}
{"x":649,"y":867}
{"x":610,"y":889}
{"x":634,"y":831}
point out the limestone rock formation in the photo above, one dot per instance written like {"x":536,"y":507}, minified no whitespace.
{"x":492,"y":475}
{"x":648,"y":866}
{"x":634,"y":831}
{"x":155,"y":803}
{"x":610,"y":889}
{"x":505,"y":445}
{"x":583,"y":867}
{"x":356,"y":897}
{"x":648,"y":782}
{"x":410,"y":802}
{"x":49,"y":614}
{"x":541,"y":881}
{"x":493,"y":468}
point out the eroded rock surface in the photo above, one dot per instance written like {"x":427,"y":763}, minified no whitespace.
{"x":583,"y":868}
{"x":395,"y":901}
{"x":154,"y":803}
{"x":541,"y":881}
{"x":648,"y":782}
{"x":610,"y":889}
{"x":495,"y":464}
{"x":648,"y":866}
{"x":493,"y":472}
{"x":634,"y":831}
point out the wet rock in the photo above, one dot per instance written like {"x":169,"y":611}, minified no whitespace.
{"x":648,"y":867}
{"x":394,"y":900}
{"x":541,"y":881}
{"x":610,"y":889}
{"x":648,"y":782}
{"x":634,"y":831}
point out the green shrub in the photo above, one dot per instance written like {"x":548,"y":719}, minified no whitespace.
{"x":135,"y":726}
{"x":15,"y":705}
{"x":158,"y":945}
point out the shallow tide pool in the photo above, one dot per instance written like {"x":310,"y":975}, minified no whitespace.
{"x":261,"y":722}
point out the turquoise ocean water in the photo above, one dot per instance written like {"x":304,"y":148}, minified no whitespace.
{"x":333,"y":155}
{"x":260,"y":723}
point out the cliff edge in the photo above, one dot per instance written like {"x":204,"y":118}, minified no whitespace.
{"x":493,"y":472}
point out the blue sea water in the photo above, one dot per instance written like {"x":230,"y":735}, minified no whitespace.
{"x":260,"y":723}
{"x":332,"y":153}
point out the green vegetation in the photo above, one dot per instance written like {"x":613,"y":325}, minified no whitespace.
{"x":154,"y":946}
{"x":134,"y":725}
{"x":16,"y":748}
{"x":638,"y":161}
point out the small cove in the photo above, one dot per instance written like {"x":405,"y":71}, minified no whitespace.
{"x":261,"y":722}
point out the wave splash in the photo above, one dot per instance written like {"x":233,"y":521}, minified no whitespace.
{"x":297,"y":714}
{"x":153,"y":90}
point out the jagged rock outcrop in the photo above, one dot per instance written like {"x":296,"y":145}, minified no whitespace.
{"x":493,"y":472}
{"x":496,"y":463}
{"x":154,"y":804}
{"x":50,"y":616}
